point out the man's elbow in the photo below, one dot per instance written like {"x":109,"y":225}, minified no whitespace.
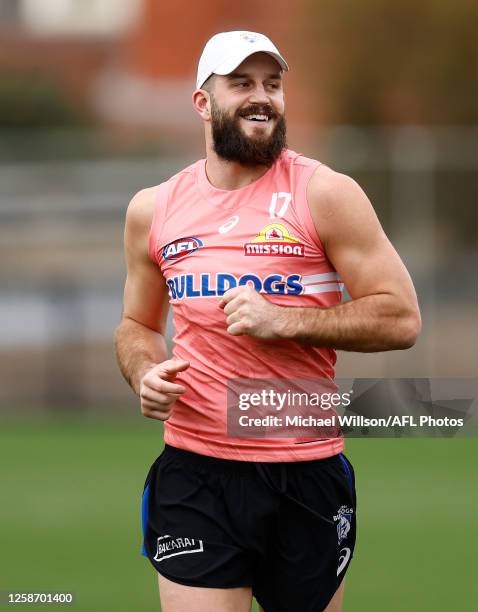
{"x":124,"y":330}
{"x":122,"y":325}
{"x":408,"y":330}
{"x":119,"y":334}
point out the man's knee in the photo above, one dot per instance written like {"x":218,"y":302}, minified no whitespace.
{"x":181,"y":598}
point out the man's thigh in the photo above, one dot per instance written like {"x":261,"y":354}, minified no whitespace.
{"x":312,"y":542}
{"x":180,"y":598}
{"x":335,"y":604}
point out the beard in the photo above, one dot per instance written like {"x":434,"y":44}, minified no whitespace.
{"x":233,"y":145}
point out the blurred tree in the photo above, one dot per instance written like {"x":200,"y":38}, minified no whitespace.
{"x":389,"y":62}
{"x":27,"y":101}
{"x":9,"y":10}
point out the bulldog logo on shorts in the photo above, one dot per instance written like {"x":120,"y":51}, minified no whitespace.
{"x":171,"y":547}
{"x":344,"y":519}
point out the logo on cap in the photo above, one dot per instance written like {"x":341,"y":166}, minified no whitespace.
{"x":249,"y":37}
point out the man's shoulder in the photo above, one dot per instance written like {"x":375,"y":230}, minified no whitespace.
{"x":336,"y":200}
{"x":140,"y":209}
{"x":298,"y":159}
{"x":188,"y":173}
{"x":329,"y":186}
{"x":142,"y":204}
{"x":324,"y":181}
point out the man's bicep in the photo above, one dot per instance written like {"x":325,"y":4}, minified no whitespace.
{"x":368,"y":268}
{"x":146,"y":298}
{"x":355,"y":242}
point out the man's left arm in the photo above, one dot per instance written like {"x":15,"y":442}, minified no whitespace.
{"x":383,"y":312}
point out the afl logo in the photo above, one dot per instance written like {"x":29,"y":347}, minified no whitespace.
{"x":181,"y":247}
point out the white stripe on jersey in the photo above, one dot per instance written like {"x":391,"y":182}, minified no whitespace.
{"x":323,"y":288}
{"x":319,"y":278}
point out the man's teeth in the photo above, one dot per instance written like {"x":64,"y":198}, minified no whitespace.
{"x":257,"y":117}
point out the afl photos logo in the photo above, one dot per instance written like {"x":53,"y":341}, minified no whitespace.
{"x":181,"y":247}
{"x":274,"y":240}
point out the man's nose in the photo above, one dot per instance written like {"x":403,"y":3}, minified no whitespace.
{"x":259,"y":95}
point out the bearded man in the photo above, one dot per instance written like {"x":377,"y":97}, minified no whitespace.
{"x":252,"y":247}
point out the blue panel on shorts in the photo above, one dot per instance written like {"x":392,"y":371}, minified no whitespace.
{"x":347,"y":470}
{"x":144,"y":517}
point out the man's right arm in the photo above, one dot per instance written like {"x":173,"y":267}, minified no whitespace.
{"x":140,"y":342}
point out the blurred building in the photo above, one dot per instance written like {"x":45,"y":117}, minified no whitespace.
{"x":95,"y":105}
{"x":131,"y":65}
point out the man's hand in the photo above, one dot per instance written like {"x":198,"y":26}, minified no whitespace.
{"x":158,"y":391}
{"x":248,"y":313}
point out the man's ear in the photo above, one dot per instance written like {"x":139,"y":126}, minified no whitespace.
{"x":202,"y":103}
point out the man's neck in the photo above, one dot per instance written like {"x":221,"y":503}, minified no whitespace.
{"x":228,"y":175}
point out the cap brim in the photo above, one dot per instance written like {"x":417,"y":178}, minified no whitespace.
{"x":231,"y":64}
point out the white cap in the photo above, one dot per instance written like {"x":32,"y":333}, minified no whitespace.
{"x":226,"y":50}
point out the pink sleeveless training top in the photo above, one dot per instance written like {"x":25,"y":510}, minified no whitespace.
{"x":207,"y":240}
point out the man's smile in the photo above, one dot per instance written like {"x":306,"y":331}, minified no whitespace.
{"x":261,"y":118}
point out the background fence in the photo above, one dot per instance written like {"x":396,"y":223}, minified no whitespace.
{"x":62,"y":266}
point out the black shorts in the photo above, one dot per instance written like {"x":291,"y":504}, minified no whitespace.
{"x":285,"y":529}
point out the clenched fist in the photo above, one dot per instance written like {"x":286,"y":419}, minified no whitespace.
{"x":248,"y":313}
{"x":158,"y":389}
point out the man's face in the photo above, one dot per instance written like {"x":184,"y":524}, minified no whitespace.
{"x":247,"y":112}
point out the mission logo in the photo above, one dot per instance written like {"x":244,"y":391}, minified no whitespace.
{"x":274,"y":240}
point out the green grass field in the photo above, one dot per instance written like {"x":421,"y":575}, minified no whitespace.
{"x":70,"y":517}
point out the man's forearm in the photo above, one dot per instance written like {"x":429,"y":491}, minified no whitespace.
{"x":369,"y":324}
{"x":138,"y":348}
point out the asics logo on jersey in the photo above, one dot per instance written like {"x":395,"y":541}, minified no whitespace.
{"x":181,"y":247}
{"x":213,"y":285}
{"x":227,"y":227}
